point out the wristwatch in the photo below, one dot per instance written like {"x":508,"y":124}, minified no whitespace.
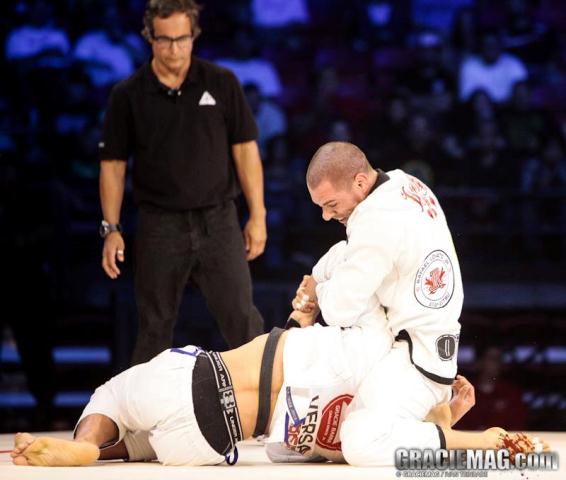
{"x":106,"y":228}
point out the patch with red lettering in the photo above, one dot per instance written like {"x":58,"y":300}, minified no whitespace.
{"x":419,"y":193}
{"x":434,"y":282}
{"x":328,"y":433}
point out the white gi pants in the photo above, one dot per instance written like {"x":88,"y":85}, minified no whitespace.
{"x":387,"y":412}
{"x":152,"y":406}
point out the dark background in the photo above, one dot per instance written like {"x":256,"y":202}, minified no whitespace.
{"x":385,"y":75}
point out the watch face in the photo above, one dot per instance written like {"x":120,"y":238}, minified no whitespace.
{"x":103,"y":230}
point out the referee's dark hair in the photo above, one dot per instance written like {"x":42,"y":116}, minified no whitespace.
{"x":166,"y":8}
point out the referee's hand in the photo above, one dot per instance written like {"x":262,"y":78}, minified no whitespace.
{"x":255,"y":236}
{"x":114,"y":249}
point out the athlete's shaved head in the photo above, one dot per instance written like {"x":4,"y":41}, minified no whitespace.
{"x":338,"y":163}
{"x":339,"y":177}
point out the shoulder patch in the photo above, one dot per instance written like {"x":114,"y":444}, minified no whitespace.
{"x":434,"y":281}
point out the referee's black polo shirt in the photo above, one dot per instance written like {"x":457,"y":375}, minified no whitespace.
{"x":180,"y":140}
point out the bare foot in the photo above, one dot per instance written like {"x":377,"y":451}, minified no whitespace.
{"x":21,"y":442}
{"x":463,"y":399}
{"x":519,"y":442}
{"x":48,"y":451}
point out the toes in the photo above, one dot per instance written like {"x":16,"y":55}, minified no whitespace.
{"x":22,"y":440}
{"x":20,"y":460}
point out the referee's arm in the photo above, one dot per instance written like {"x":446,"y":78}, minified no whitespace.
{"x":250,"y":173}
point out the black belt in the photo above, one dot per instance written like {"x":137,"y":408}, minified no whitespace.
{"x":266,"y":373}
{"x":227,"y":397}
{"x":403,"y":335}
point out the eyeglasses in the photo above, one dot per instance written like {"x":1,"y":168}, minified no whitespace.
{"x":163,"y":41}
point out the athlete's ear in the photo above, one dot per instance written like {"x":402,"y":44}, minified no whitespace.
{"x":361,"y":181}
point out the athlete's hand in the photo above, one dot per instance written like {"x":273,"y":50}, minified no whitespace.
{"x":255,"y":236}
{"x":113,"y":250}
{"x":305,"y":297}
{"x":463,"y":399}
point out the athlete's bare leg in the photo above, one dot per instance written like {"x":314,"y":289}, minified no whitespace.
{"x":492,"y":438}
{"x":93,"y":432}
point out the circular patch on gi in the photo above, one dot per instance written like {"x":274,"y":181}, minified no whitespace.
{"x":434,"y":282}
{"x":328,"y":435}
{"x":446,"y":346}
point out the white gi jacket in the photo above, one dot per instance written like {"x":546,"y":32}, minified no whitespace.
{"x":399,"y":256}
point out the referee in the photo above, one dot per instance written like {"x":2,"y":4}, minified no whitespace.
{"x":192,"y":136}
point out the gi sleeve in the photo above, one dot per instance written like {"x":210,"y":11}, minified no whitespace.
{"x":323,"y":269}
{"x":118,"y":131}
{"x":368,"y":258}
{"x":240,"y":122}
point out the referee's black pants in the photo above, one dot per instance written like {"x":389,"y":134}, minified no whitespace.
{"x":206,"y":246}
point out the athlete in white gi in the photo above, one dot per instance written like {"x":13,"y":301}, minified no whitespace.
{"x":147,"y":412}
{"x":398,"y":258}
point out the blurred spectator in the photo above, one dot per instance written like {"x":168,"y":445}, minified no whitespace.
{"x":438,"y":13}
{"x":40,"y":41}
{"x":280,"y":179}
{"x":429,"y":84}
{"x":339,"y":131}
{"x":498,"y":400}
{"x":494,"y":71}
{"x":7,"y":141}
{"x":488,"y":169}
{"x":383,"y":21}
{"x":546,"y":173}
{"x":418,"y":150}
{"x":525,"y":36}
{"x":523,"y":124}
{"x":488,"y":163}
{"x":279,"y":13}
{"x":309,"y":125}
{"x":26,"y":243}
{"x":38,"y":54}
{"x":466,"y":117}
{"x":109,"y":54}
{"x":386,"y":130}
{"x":465,"y":31}
{"x":460,"y":124}
{"x":76,"y":108}
{"x":249,"y":67}
{"x":270,"y":118}
{"x":545,"y":177}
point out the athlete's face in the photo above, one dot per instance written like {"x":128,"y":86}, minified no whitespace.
{"x":337,"y":203}
{"x":172,"y":42}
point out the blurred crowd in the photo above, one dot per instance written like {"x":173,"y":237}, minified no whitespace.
{"x":469,"y":96}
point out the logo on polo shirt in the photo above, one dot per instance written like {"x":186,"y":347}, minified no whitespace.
{"x":207,"y":99}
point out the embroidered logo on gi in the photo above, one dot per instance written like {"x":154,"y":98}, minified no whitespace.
{"x":446,"y":346}
{"x":328,"y":435}
{"x":434,"y":282}
{"x":207,"y":99}
{"x":419,"y":193}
